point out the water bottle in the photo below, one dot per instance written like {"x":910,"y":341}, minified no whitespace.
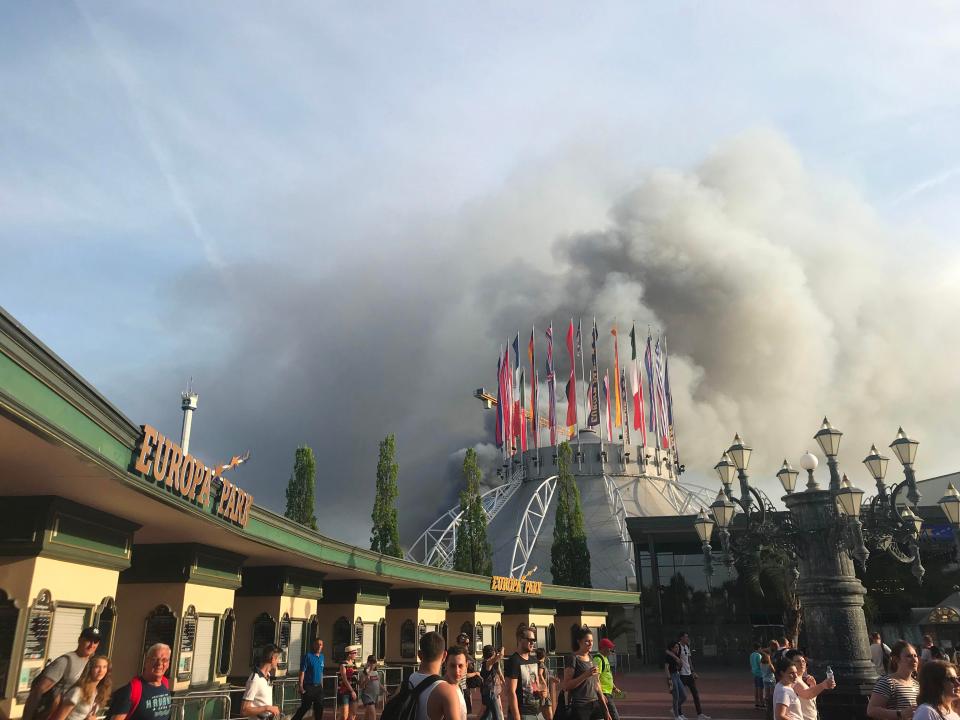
{"x":829,"y":673}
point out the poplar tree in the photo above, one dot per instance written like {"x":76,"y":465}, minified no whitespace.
{"x":385,"y":537}
{"x":301,"y":489}
{"x":569,"y":555}
{"x":473,"y":553}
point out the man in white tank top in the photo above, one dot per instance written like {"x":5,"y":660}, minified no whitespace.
{"x":455,"y":669}
{"x":441,"y":700}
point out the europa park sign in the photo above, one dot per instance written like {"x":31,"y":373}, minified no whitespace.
{"x":162,"y":461}
{"x":516,"y":585}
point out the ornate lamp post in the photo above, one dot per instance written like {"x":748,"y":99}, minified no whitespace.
{"x":826,"y":530}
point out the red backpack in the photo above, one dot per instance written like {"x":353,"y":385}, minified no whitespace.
{"x":136,"y":692}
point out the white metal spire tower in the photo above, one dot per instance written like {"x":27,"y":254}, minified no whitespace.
{"x":189,"y":404}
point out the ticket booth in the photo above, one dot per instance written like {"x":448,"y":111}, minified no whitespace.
{"x":571,"y":616}
{"x":411,"y":614}
{"x":354,"y":612}
{"x":181,"y":595}
{"x":59,"y":567}
{"x":276,"y":605}
{"x":535,"y":614}
{"x":479,"y":617}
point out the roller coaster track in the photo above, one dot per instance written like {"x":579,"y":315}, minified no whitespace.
{"x":437,"y":543}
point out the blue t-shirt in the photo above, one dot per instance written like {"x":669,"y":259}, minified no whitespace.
{"x":755,"y":664}
{"x":154,"y":703}
{"x":312,"y":668}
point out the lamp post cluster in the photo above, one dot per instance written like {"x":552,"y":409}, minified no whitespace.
{"x":822,"y":532}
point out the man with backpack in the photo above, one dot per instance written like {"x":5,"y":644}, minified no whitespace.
{"x":425,"y":695}
{"x":147,"y":696}
{"x":59,"y":676}
{"x":609,"y":688}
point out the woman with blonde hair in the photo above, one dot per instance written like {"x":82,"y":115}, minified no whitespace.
{"x":89,"y":695}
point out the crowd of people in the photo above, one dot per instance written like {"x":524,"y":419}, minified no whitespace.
{"x":78,"y":685}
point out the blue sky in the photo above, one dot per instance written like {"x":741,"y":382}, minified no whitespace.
{"x":187,"y":189}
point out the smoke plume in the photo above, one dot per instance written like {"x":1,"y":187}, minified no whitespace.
{"x":783,"y":295}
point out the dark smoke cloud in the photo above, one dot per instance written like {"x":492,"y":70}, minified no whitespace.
{"x":783,"y":294}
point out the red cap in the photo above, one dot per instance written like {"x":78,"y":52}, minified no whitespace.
{"x":607,"y":644}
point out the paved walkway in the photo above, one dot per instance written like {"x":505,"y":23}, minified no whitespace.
{"x":724,"y":695}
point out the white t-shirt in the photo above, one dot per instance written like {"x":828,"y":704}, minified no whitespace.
{"x":925,"y":712}
{"x":259,"y":691}
{"x":685,"y":660}
{"x":808,"y":706}
{"x":783,"y":695}
{"x":81,"y":708}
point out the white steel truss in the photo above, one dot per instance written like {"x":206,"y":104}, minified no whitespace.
{"x":436,"y":545}
{"x":685,"y":499}
{"x":530,"y":524}
{"x":620,"y":515}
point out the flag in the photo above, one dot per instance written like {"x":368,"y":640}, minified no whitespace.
{"x":507,"y":402}
{"x":606,"y":400}
{"x":660,"y":395}
{"x":534,"y":390}
{"x":593,"y":418}
{"x":523,"y":415}
{"x":572,"y":382}
{"x":637,"y":387}
{"x":648,"y":366}
{"x":626,"y":412}
{"x":551,"y":388}
{"x":616,"y":375}
{"x":498,"y":435}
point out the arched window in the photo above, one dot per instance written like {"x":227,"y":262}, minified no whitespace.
{"x":551,"y":638}
{"x":382,"y":640}
{"x":358,"y":633}
{"x":466,"y":629}
{"x":228,"y":625}
{"x":342,"y":635}
{"x":408,"y":640}
{"x":498,"y":635}
{"x":160,"y":627}
{"x":105,"y":620}
{"x":9,"y":615}
{"x":264,"y":633}
{"x":313,"y":631}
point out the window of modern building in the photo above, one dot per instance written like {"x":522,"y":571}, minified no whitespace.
{"x":227,"y":629}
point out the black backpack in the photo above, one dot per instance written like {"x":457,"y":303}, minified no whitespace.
{"x":404,"y":705}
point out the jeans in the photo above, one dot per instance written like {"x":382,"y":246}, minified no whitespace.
{"x":691,"y":682}
{"x":312,"y":698}
{"x":492,"y":710}
{"x":678,"y":694}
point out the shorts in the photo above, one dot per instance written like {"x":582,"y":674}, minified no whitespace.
{"x":366,"y":700}
{"x":758,"y":682}
{"x":344,"y":699}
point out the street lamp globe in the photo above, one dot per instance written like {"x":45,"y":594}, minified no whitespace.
{"x":828,"y":438}
{"x":876,"y":464}
{"x":739,"y":453}
{"x":909,"y":516}
{"x":809,"y":461}
{"x":905,"y":448}
{"x":950,"y":504}
{"x":704,"y":526}
{"x":849,"y":498}
{"x":725,"y":469}
{"x":722,"y":510}
{"x":788,"y":477}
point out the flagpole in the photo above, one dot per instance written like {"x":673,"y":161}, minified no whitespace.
{"x":583,"y":377}
{"x":669,"y":400}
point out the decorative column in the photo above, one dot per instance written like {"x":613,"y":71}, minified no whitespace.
{"x":832,"y":601}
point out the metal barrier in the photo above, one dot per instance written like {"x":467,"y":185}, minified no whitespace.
{"x":212,"y":704}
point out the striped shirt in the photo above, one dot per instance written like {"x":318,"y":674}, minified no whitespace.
{"x":898,"y":695}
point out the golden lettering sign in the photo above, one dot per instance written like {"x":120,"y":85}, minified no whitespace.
{"x":162,"y":461}
{"x":516,"y":585}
